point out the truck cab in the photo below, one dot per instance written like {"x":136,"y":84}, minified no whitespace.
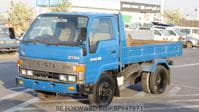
{"x":88,"y":54}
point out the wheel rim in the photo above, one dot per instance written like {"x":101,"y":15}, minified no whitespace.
{"x":158,"y":79}
{"x":105,"y":92}
{"x":160,"y":82}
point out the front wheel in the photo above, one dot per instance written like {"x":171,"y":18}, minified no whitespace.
{"x":103,"y":91}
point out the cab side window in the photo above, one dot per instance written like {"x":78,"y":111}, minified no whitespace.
{"x":171,"y":33}
{"x":156,"y":32}
{"x":101,"y":30}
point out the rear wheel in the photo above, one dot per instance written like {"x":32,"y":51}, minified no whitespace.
{"x":145,"y":82}
{"x":103,"y":91}
{"x":156,"y":82}
{"x":189,"y":45}
{"x":46,"y":95}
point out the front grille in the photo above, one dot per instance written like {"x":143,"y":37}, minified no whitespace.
{"x":48,"y":65}
{"x":46,"y":75}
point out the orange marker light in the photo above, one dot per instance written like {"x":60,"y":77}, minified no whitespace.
{"x":80,"y":68}
{"x":19,"y":62}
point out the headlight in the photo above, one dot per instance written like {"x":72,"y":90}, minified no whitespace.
{"x":63,"y":77}
{"x":71,"y":78}
{"x":17,"y":42}
{"x":29,"y":73}
{"x":23,"y":72}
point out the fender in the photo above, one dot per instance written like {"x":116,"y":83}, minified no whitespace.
{"x":152,"y":66}
{"x":99,"y":71}
{"x":108,"y":67}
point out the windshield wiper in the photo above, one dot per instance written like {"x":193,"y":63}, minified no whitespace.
{"x":35,"y":41}
{"x":65,"y":43}
{"x":53,"y":43}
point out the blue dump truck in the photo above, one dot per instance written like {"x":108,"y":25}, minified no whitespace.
{"x":7,"y":44}
{"x":89,"y":54}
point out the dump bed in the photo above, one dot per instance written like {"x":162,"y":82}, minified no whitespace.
{"x":141,"y":51}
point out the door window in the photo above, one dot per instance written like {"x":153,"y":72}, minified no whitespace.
{"x":101,"y":30}
{"x":156,"y":32}
{"x":171,"y":33}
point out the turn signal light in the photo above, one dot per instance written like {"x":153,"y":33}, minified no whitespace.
{"x":19,"y":62}
{"x":80,"y":68}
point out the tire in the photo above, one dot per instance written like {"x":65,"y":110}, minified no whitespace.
{"x":46,"y":95}
{"x":189,"y":45}
{"x":103,"y":91}
{"x":158,"y":80}
{"x":145,"y":82}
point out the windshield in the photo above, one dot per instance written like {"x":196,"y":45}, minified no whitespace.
{"x":180,"y":33}
{"x":4,"y":32}
{"x":56,"y":28}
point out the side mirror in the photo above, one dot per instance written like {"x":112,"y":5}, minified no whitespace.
{"x":11,"y":33}
{"x":83,"y":33}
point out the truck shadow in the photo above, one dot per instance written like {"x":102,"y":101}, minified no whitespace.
{"x":136,"y":87}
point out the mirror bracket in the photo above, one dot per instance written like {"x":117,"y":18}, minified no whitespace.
{"x":83,"y":33}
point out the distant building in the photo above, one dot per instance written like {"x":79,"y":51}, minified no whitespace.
{"x":140,"y":12}
{"x":132,"y":10}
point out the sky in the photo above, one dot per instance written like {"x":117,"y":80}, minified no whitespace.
{"x":183,"y":4}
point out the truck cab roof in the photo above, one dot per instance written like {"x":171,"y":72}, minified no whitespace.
{"x":81,"y":13}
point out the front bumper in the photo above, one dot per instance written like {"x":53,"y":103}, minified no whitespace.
{"x":47,"y":86}
{"x":83,"y":89}
{"x":9,"y":47}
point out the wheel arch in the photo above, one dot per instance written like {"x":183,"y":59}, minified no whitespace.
{"x":113,"y":74}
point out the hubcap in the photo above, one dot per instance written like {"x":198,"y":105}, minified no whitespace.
{"x":158,"y":80}
{"x":105,"y":92}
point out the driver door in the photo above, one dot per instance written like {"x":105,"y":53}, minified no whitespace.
{"x":103,"y":47}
